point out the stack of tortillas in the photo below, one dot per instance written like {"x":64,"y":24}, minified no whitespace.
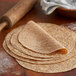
{"x":42,"y":47}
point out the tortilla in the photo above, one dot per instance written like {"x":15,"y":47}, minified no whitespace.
{"x":54,"y":58}
{"x":35,"y":38}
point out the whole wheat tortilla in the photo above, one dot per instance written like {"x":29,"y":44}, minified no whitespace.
{"x":53,"y":59}
{"x":35,"y":38}
{"x":52,"y":68}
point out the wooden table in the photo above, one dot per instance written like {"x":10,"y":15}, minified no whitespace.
{"x":8,"y":65}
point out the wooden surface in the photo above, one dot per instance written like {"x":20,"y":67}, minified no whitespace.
{"x":8,"y":65}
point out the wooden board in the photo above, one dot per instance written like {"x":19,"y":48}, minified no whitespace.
{"x":8,"y":65}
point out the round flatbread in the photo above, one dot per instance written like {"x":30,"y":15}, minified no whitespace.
{"x":56,"y":57}
{"x":35,"y":38}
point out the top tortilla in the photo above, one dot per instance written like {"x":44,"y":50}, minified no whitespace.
{"x":35,"y":38}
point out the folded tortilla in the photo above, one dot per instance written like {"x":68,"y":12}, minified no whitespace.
{"x":35,"y":38}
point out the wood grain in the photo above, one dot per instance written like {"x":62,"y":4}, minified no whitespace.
{"x":8,"y":65}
